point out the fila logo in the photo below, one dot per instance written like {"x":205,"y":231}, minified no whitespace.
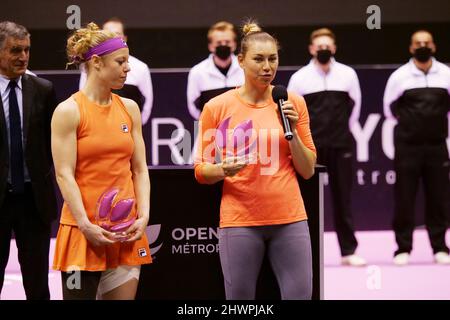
{"x":124,"y":127}
{"x":142,"y":252}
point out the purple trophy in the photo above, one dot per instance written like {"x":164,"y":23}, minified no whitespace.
{"x":236,"y":142}
{"x":113,"y":215}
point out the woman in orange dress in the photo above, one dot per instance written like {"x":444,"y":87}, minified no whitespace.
{"x":99,"y":157}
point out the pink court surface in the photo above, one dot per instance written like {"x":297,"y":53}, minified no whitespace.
{"x":422,"y":279}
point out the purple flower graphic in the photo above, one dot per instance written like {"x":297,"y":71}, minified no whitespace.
{"x":114,"y":216}
{"x":236,"y":142}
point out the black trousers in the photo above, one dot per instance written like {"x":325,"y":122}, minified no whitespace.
{"x":340,"y":175}
{"x":18,"y":213}
{"x":429,"y":163}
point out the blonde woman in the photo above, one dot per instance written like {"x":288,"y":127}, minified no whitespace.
{"x":99,"y":157}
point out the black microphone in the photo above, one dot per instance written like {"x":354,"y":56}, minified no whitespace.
{"x":279,"y":96}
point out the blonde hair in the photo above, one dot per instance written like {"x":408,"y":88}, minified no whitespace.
{"x":83,"y":39}
{"x":251,"y":31}
{"x":249,"y":27}
{"x":221,"y":26}
{"x":320,"y":33}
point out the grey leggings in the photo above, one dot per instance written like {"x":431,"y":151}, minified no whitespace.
{"x":288,"y":246}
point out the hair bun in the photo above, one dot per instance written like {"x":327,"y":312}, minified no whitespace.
{"x":83,"y":39}
{"x":250,"y":27}
{"x":92,"y":26}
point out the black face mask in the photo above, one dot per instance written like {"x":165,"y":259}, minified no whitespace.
{"x":422,"y":54}
{"x":324,"y":56}
{"x":223,"y":52}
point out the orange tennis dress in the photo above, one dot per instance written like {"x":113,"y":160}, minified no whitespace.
{"x":104,"y":150}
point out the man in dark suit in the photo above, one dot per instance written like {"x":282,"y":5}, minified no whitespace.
{"x":27,"y":197}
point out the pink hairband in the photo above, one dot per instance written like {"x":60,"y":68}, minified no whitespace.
{"x":105,"y":47}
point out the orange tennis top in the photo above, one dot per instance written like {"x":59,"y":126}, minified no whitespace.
{"x":266,"y":191}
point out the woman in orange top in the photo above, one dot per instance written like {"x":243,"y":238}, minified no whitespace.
{"x":261,"y":208}
{"x":99,"y":157}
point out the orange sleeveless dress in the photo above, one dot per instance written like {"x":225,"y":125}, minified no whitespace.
{"x":104,"y":150}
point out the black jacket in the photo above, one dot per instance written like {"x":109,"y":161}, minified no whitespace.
{"x":39,"y":102}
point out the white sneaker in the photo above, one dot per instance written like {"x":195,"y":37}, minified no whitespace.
{"x":442,"y":258}
{"x":353,"y":260}
{"x":401,"y":259}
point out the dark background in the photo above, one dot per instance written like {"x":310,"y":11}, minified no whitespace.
{"x":172,"y":33}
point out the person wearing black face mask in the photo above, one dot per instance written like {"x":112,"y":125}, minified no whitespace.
{"x":333,"y":96}
{"x":422,"y":54}
{"x":417,"y":99}
{"x":323,"y":56}
{"x":216,"y":74}
{"x":223,"y":52}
